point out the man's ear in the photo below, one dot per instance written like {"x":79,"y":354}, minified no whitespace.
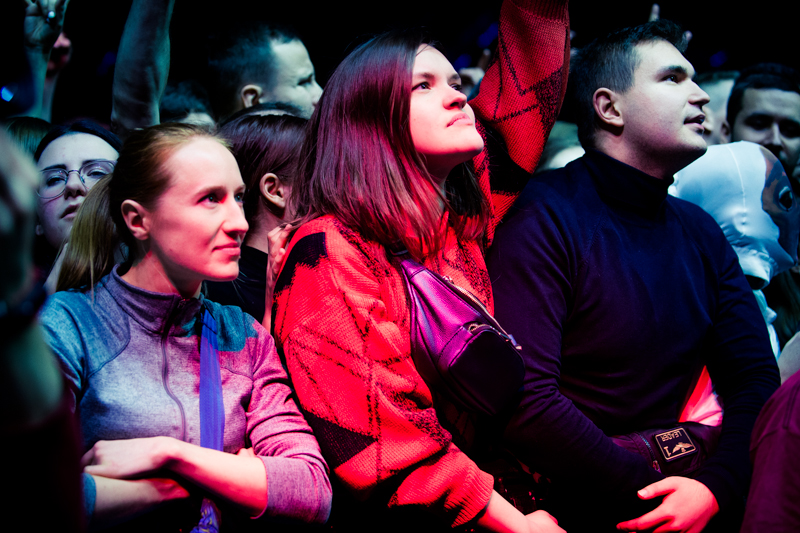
{"x":725,"y":131}
{"x":137,"y":218}
{"x":273,"y":190}
{"x":250,"y":95}
{"x":607,"y":108}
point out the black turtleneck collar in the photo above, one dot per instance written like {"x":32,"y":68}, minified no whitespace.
{"x":624,"y":185}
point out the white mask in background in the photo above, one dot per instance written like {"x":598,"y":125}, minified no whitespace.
{"x":748,"y":193}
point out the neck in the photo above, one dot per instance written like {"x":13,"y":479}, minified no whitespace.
{"x":258,"y":235}
{"x":149,"y":274}
{"x":622,"y":151}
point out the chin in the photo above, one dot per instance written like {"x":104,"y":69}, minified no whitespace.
{"x":223,"y":275}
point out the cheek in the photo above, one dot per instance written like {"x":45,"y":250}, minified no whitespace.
{"x":48,"y":212}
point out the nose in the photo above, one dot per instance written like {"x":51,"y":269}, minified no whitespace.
{"x":235,"y":224}
{"x":699,"y":96}
{"x":455,"y":98}
{"x":317,"y":93}
{"x":773,"y":134}
{"x":75,"y":185}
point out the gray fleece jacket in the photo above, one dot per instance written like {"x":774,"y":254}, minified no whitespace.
{"x":132,"y":359}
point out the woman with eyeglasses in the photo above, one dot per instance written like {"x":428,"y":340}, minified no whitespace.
{"x":71,"y":160}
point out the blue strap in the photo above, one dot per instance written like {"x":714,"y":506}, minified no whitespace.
{"x":212,"y":411}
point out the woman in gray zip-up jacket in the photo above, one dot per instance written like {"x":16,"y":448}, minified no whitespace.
{"x":129,"y":347}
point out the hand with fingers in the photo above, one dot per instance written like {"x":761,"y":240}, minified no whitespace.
{"x":278,"y":238}
{"x":687,"y":507}
{"x":127,"y":458}
{"x":655,"y":14}
{"x":543,"y":522}
{"x":43,"y":22}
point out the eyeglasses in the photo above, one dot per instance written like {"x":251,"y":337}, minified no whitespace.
{"x":54,"y":180}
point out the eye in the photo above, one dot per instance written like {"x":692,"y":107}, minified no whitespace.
{"x":239,"y":197}
{"x":95,"y":171}
{"x":786,"y":198}
{"x":790,"y":129}
{"x":456,"y":86}
{"x":758,"y":122}
{"x":307,"y":81}
{"x":212,"y":197}
{"x":421,"y":85}
{"x":672,"y":77}
{"x":53,"y":178}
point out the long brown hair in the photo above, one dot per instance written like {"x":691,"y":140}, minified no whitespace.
{"x":359,"y":162}
{"x":99,"y":227}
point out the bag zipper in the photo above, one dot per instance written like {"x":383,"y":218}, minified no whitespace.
{"x":466,"y":295}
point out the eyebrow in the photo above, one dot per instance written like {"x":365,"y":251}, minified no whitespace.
{"x":85,"y":162}
{"x":218,"y":189}
{"x":454,"y":77}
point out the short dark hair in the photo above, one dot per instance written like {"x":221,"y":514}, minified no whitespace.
{"x":244,"y":51}
{"x":611,"y":62}
{"x":265,"y":108}
{"x":182,"y":99}
{"x":761,"y":76}
{"x":81,"y":126}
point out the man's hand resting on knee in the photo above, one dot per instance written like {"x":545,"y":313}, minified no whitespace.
{"x":687,"y":507}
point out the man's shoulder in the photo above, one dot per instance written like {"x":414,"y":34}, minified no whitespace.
{"x":565,"y":192}
{"x":695,"y":220}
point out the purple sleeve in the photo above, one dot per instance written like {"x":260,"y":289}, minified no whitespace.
{"x":298,"y":487}
{"x":772,"y":503}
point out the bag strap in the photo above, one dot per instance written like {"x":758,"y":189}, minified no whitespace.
{"x":212,"y":410}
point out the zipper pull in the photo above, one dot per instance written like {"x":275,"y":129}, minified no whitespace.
{"x":656,"y":467}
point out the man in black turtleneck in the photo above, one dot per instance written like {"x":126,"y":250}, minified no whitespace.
{"x":619,"y":294}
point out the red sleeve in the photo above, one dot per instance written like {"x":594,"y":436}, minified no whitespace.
{"x":338,"y":320}
{"x":521,"y":93}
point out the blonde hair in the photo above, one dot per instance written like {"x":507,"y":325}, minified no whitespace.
{"x":99,"y":229}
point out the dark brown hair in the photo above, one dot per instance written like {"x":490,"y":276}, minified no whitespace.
{"x":359,"y":162}
{"x":262,"y":144}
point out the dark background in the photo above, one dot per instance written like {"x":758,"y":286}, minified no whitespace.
{"x":724,"y":37}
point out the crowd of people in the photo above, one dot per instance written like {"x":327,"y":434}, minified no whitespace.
{"x":208,"y":324}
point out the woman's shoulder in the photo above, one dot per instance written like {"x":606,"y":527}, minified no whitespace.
{"x":86,"y":321}
{"x":234,"y":326}
{"x":87,"y":304}
{"x":328,"y":238}
{"x":328,"y":257}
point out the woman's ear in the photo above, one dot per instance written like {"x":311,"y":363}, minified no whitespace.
{"x":607,"y":107}
{"x":273,"y":190}
{"x":137,"y":218}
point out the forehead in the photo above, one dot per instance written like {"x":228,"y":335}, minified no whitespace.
{"x":200,"y":163}
{"x":774,"y":102}
{"x":432,"y":61}
{"x":291,"y":58}
{"x":658,"y":56}
{"x":73,"y":149}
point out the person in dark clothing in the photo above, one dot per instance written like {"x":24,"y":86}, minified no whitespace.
{"x":619,"y":294}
